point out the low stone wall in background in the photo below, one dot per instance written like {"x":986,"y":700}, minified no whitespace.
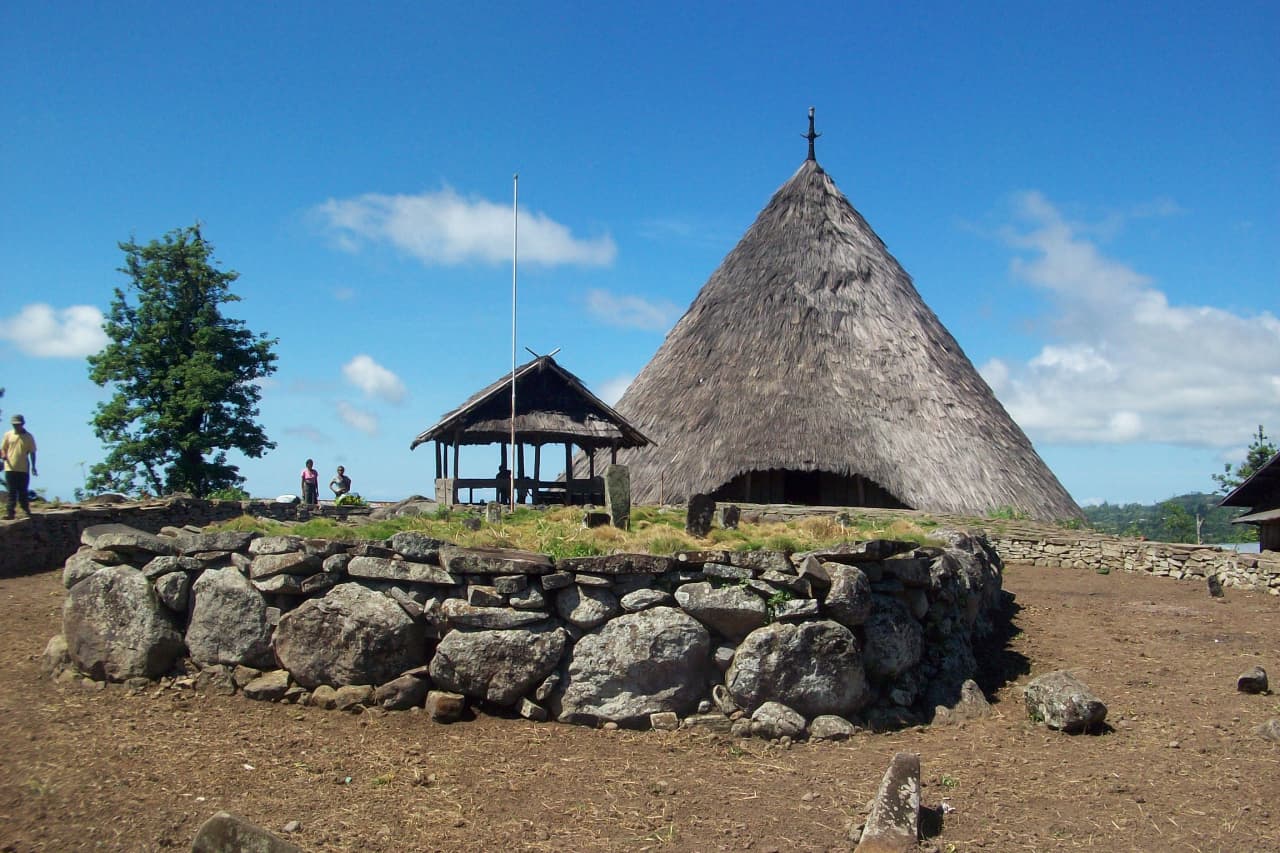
{"x":45,"y":541}
{"x":1259,"y":572}
{"x":877,"y":633}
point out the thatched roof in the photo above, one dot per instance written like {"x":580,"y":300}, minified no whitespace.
{"x":1261,"y":491}
{"x":552,"y":407}
{"x":809,"y":349}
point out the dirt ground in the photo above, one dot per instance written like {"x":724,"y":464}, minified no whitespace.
{"x":106,"y":769}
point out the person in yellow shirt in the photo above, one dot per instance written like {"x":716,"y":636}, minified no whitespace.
{"x":18,"y":453}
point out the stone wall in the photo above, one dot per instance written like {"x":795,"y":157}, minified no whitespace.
{"x":45,"y":541}
{"x":1041,"y":547}
{"x":878,"y":632}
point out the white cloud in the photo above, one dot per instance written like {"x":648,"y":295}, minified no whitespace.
{"x":611,"y":390}
{"x":306,"y":433}
{"x":631,"y":311}
{"x":356,"y":419}
{"x":1125,"y":365}
{"x":47,"y":332}
{"x":445,"y":228}
{"x":374,"y":379}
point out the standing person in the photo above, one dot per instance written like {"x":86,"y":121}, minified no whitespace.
{"x":341,"y":484}
{"x":310,"y":484}
{"x":18,"y":452}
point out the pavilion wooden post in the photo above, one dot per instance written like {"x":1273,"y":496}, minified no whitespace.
{"x":613,"y":455}
{"x":537,"y":470}
{"x":438,"y":474}
{"x":456,"y":445}
{"x":568,"y":473}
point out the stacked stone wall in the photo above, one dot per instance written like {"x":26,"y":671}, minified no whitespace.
{"x":878,"y":632}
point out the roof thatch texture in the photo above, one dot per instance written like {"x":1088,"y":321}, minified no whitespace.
{"x":552,"y":407}
{"x":1261,"y":491}
{"x":809,"y":349}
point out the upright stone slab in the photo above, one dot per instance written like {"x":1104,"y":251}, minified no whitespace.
{"x":617,"y":495}
{"x":228,"y":833}
{"x":697,"y":522}
{"x":229,"y":621}
{"x":116,"y":628}
{"x":893,"y":826}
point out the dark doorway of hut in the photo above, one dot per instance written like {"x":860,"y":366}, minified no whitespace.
{"x":807,"y":488}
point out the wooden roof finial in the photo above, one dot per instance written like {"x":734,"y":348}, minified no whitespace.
{"x":811,"y":136}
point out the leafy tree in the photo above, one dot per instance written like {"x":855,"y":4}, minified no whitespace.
{"x":184,"y":375}
{"x":1176,"y":524}
{"x":1260,"y":450}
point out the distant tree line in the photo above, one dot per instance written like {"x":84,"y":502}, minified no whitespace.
{"x":1173,"y":520}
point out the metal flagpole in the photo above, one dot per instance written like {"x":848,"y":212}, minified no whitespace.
{"x":515,"y":242}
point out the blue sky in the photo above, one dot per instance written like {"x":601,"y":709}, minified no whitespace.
{"x":1087,"y":194}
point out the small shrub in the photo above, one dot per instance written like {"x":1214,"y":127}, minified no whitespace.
{"x":230,"y":493}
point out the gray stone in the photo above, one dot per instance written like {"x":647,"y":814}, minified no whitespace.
{"x":727,"y":571}
{"x":895,"y":640}
{"x":813,"y":667}
{"x":762,"y":561}
{"x":400,"y":694}
{"x":912,"y":571}
{"x":586,"y":607}
{"x":775,"y":720}
{"x":268,"y":687}
{"x":730,"y":611}
{"x":1270,"y":730}
{"x":529,"y":599}
{"x":556,"y":580}
{"x":351,"y":636}
{"x":664,"y":721}
{"x":794,"y":584}
{"x":380,"y":568}
{"x":893,"y":826}
{"x":132,"y":544}
{"x":241,"y":675}
{"x":814,"y":570}
{"x":81,"y":565}
{"x":853,"y":553}
{"x":324,"y":696}
{"x":698,"y":518}
{"x":116,"y":628}
{"x":222,"y":540}
{"x":166,"y":564}
{"x":55,"y":660}
{"x":485,"y":596}
{"x":228,"y":621}
{"x":972,"y":705}
{"x":317,"y":583}
{"x":174,"y":590}
{"x":643,"y":599}
{"x":227,"y":833}
{"x":497,"y":666}
{"x":617,"y":495}
{"x":371,"y":549}
{"x":352,"y":697}
{"x":445,"y":707}
{"x":831,"y":727}
{"x":323,"y":549}
{"x":716,"y":723}
{"x":723,"y":700}
{"x":848,"y":601}
{"x":458,"y":614}
{"x":592,"y":519}
{"x":547,"y":687}
{"x":417,"y":546}
{"x":697,"y":559}
{"x":1061,"y":701}
{"x":291,"y":563}
{"x":723,"y":656}
{"x":796,"y":610}
{"x":636,"y":665}
{"x":283,"y":584}
{"x":493,"y":561}
{"x":335,"y":564}
{"x":1252,"y":681}
{"x":275,"y":545}
{"x":216,"y":679}
{"x":532,"y":711}
{"x":511,"y":584}
{"x":615,"y":564}
{"x":494,"y":511}
{"x":599,"y":581}
{"x":729,"y":516}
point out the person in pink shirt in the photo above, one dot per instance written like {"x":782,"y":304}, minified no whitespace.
{"x":310,"y":484}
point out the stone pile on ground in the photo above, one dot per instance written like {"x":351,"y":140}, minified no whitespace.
{"x":779,"y":645}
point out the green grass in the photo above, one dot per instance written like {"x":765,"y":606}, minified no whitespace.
{"x":560,"y":533}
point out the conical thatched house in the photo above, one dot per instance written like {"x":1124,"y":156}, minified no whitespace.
{"x":808,"y":370}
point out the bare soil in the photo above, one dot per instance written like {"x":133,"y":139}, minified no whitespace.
{"x":1180,"y":769}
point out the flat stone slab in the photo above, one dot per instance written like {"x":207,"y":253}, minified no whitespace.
{"x":228,"y":833}
{"x":493,"y":561}
{"x":893,"y":826}
{"x":463,"y":615}
{"x":852,"y":553}
{"x":293,"y":563}
{"x":616,"y":564}
{"x":381,"y":568}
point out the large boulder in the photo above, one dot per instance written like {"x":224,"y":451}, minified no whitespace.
{"x":636,"y":665}
{"x":499,"y":666}
{"x":895,"y":640}
{"x":848,"y":600}
{"x":1061,"y":701}
{"x":732,"y":611}
{"x":228,"y":621}
{"x":116,"y":628}
{"x":586,"y":607}
{"x":353,"y":635}
{"x":814,"y":668}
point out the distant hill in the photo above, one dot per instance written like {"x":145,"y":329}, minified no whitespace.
{"x":1173,"y":520}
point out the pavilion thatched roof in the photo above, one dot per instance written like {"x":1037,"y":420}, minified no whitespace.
{"x":1261,"y":491}
{"x":809,"y":349}
{"x":552,"y":407}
